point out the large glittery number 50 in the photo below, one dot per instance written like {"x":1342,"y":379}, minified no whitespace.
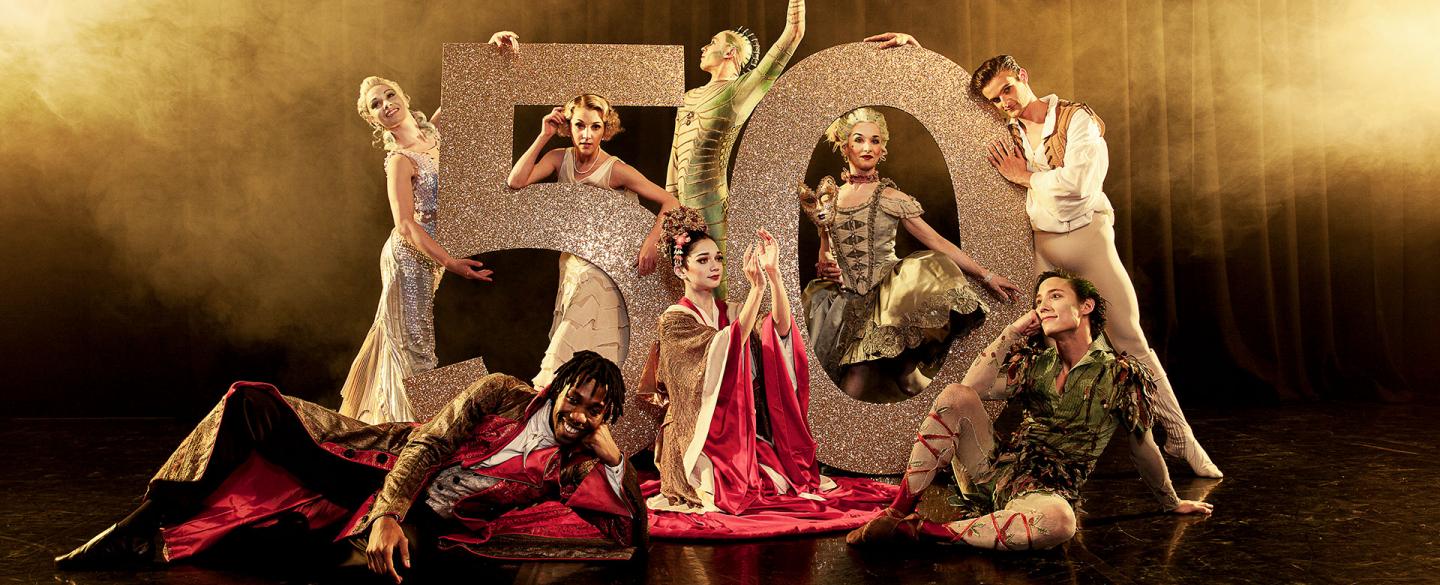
{"x":480,"y":88}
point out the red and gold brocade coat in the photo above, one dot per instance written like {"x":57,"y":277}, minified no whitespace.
{"x":575,"y":515}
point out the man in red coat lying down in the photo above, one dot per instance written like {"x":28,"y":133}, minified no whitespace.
{"x":503,"y":471}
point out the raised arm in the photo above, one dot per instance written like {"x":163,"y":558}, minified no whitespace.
{"x":769,"y":256}
{"x":984,"y":374}
{"x":626,"y":177}
{"x":527,"y":171}
{"x":750,"y":310}
{"x":399,"y":172}
{"x":754,"y":84}
{"x":998,"y":285}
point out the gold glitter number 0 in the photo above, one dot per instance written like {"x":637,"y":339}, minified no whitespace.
{"x":855,"y":435}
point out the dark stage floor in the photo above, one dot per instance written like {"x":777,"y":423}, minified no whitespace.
{"x":1315,"y":493}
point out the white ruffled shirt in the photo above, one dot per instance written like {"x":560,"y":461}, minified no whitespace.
{"x":1066,"y":199}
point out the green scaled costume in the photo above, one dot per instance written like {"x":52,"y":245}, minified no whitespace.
{"x":709,"y":121}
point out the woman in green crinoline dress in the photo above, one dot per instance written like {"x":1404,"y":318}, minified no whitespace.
{"x":881,"y":325}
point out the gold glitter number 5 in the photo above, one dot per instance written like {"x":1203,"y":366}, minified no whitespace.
{"x":480,"y":88}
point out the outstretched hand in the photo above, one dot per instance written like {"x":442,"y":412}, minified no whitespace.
{"x":506,"y":40}
{"x":891,"y":40}
{"x":1002,"y":287}
{"x":1194,"y":507}
{"x":470,"y":269}
{"x":386,"y":539}
{"x":1006,"y":158}
{"x":753,"y":273}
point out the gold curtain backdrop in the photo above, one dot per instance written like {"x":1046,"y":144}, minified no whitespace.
{"x":190,"y":197}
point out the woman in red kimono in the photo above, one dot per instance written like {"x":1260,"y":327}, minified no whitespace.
{"x":735,"y":439}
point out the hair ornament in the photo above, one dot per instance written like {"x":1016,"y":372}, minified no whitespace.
{"x":754,"y":41}
{"x":676,"y":228}
{"x":839,"y":131}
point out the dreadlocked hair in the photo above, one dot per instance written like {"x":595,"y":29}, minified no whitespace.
{"x":586,"y":366}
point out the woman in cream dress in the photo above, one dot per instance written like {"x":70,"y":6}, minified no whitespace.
{"x":589,"y":313}
{"x":881,"y":325}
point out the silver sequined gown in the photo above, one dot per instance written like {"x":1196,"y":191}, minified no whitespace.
{"x":401,"y":342}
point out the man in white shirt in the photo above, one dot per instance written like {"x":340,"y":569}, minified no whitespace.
{"x":1057,"y":152}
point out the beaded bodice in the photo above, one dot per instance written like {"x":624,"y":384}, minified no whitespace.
{"x":425,"y":187}
{"x":863,"y":236}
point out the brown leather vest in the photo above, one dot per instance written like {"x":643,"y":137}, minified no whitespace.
{"x":1055,"y":142}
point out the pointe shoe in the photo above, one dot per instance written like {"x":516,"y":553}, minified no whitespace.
{"x":883,"y":529}
{"x":113,"y":547}
{"x":1192,"y":453}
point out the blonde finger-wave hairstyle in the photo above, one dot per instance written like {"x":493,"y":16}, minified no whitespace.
{"x":839,"y":131}
{"x":598,"y":104}
{"x":384,"y":138}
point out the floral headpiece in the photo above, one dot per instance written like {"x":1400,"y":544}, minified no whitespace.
{"x":676,"y":228}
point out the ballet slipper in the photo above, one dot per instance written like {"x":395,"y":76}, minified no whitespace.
{"x":885,"y":528}
{"x":1194,"y":455}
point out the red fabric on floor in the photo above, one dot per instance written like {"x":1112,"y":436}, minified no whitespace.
{"x":853,"y":503}
{"x":253,"y":494}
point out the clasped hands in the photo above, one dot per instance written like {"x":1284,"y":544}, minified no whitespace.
{"x":762,"y":263}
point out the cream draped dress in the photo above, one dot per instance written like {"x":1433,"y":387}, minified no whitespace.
{"x":589,"y":313}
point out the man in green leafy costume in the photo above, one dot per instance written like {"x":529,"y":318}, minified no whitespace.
{"x":1019,"y":494}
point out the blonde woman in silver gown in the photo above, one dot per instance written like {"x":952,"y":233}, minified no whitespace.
{"x":589,"y":313}
{"x":401,"y":342}
{"x":881,"y":325}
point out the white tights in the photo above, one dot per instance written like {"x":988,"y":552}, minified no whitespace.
{"x":957,"y":430}
{"x":1089,"y":253}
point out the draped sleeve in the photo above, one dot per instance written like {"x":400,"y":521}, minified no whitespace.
{"x":1132,"y":395}
{"x":896,"y":203}
{"x":695,"y":363}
